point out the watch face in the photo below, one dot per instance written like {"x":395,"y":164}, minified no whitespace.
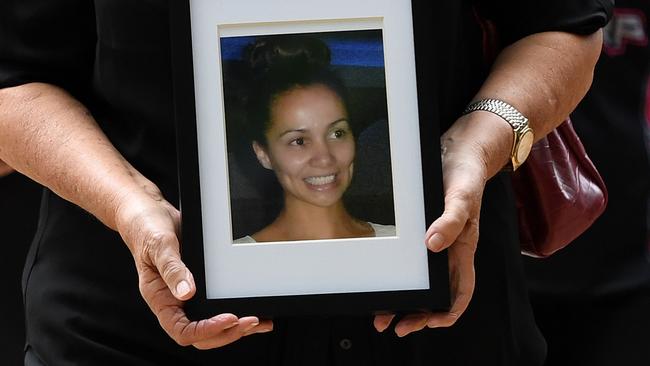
{"x":525,"y":144}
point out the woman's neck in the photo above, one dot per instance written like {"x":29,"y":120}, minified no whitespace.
{"x":303,"y":221}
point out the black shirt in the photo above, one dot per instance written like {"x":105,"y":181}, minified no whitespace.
{"x":82,"y":302}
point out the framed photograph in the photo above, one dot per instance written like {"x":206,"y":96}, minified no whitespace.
{"x":302,"y":166}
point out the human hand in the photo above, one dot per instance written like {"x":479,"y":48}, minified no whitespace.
{"x":149,"y":225}
{"x":5,"y":169}
{"x":469,"y":158}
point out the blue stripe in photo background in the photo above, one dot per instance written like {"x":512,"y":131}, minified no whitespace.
{"x":345,"y":52}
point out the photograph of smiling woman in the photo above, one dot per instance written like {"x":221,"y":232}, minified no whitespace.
{"x":290,"y":114}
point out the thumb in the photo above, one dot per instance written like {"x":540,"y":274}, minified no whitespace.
{"x":171,"y":268}
{"x":444,"y":231}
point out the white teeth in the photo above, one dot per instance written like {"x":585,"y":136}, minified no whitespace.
{"x":319,"y":181}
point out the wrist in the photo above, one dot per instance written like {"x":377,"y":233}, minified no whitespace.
{"x":522,"y":134}
{"x":138,"y":194}
{"x":488,"y":136}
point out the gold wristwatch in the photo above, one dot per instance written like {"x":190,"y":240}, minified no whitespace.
{"x":523,"y":134}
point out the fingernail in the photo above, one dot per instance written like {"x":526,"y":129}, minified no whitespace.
{"x":436,"y":242}
{"x":401,"y":334}
{"x":383,"y":327}
{"x":183,"y":288}
{"x":251,"y":326}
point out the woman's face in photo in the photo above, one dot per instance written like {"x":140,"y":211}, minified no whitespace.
{"x":310,"y":145}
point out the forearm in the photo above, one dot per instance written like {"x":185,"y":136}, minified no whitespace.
{"x":52,"y":138}
{"x":5,"y":169}
{"x":544,"y":76}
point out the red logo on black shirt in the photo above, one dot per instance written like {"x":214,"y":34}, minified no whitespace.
{"x":627,"y":27}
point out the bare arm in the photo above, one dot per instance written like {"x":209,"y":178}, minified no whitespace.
{"x":5,"y":169}
{"x":544,"y":76}
{"x":50,"y":137}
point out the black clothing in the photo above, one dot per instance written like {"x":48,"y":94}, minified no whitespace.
{"x":595,"y":331}
{"x":598,"y":287}
{"x":19,"y":202}
{"x":114,"y":56}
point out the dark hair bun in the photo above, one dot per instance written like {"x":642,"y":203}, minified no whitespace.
{"x":279,"y":63}
{"x":287,"y":52}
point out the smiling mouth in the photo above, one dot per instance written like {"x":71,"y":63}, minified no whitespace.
{"x":321,"y":180}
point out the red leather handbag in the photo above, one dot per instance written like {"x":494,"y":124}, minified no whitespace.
{"x":559,"y":193}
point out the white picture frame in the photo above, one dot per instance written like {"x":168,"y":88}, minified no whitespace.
{"x":241,"y":275}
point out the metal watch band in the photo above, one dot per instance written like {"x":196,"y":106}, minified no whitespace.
{"x":523,"y":136}
{"x":501,"y":109}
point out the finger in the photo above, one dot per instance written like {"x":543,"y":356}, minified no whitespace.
{"x":460,"y":304}
{"x":245,"y":326}
{"x":208,"y":333}
{"x":382,"y":322}
{"x":185,"y":332}
{"x":264,"y":326}
{"x":166,"y":258}
{"x":462,"y":278}
{"x":411,"y":323}
{"x":446,"y":229}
